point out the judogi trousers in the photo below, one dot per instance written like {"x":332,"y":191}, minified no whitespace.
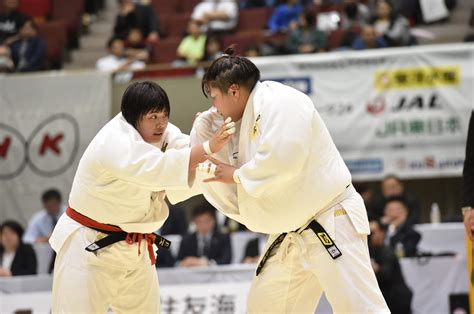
{"x":116,"y":277}
{"x":300,"y":270}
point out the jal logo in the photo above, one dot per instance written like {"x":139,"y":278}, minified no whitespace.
{"x":376,"y":106}
{"x":419,"y":102}
{"x":49,"y":150}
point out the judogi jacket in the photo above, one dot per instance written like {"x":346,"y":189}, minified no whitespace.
{"x":287,"y":163}
{"x":122,"y":180}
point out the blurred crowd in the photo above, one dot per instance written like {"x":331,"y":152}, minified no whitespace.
{"x":40,"y":34}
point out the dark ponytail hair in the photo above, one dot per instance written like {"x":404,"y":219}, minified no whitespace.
{"x":230,"y":69}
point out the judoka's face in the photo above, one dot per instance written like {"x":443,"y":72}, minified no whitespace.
{"x":152,"y":126}
{"x":229,"y":104}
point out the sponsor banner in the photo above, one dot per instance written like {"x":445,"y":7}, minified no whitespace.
{"x":402,"y":110}
{"x":215,"y":298}
{"x":46,"y":122}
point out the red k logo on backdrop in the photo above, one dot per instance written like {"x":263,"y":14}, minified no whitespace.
{"x":49,"y":150}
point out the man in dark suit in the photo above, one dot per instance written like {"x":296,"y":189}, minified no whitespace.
{"x":254,"y":248}
{"x":207,"y":246}
{"x":400,"y":231}
{"x":388,"y":272}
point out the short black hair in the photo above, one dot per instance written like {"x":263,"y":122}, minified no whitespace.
{"x":141,"y":98}
{"x":203,"y":209}
{"x":110,"y":42}
{"x":397,"y":198}
{"x":230,"y":69}
{"x":13,"y":225}
{"x":51,"y":194}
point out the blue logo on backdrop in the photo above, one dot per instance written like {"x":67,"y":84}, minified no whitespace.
{"x":303,"y":84}
{"x":365,"y":165}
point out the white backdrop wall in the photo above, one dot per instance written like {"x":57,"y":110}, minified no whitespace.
{"x":46,"y":122}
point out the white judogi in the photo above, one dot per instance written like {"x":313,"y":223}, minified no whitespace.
{"x":291,"y":172}
{"x":121,"y":180}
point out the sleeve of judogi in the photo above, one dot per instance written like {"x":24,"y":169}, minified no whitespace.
{"x":286,"y":131}
{"x":221,"y":196}
{"x":178,"y":140}
{"x":137,"y":162}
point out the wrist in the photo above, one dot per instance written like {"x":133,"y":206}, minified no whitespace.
{"x":207,"y":148}
{"x":235,"y":176}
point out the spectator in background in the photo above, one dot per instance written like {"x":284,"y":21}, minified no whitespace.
{"x":468,"y":181}
{"x":29,"y":50}
{"x":253,"y":51}
{"x":177,"y":222}
{"x":134,"y":15}
{"x":285,"y":16}
{"x":390,"y":186}
{"x":193,"y":46}
{"x":6,"y":63}
{"x":207,"y":246}
{"x":10,"y":21}
{"x":306,"y":38}
{"x":216,"y":16}
{"x":393,"y":26}
{"x":388,"y":272}
{"x":116,"y":59}
{"x":136,"y":46}
{"x":43,"y":222}
{"x":354,"y":14}
{"x":213,"y":48}
{"x":400,"y":235}
{"x":369,"y":39}
{"x":255,"y":248}
{"x":16,"y":258}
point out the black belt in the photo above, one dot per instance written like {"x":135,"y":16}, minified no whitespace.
{"x":114,"y":237}
{"x":322,"y":235}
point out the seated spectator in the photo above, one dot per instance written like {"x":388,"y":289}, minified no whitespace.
{"x":177,"y":222}
{"x":394,"y":27}
{"x":193,"y":46}
{"x":254,"y":249}
{"x":253,"y":51}
{"x":29,"y":51}
{"x":213,"y":48}
{"x":388,"y":272}
{"x":285,"y":16}
{"x":216,"y":16}
{"x":400,"y":235}
{"x":10,"y":21}
{"x":354,"y":14}
{"x":43,"y":222}
{"x":6,"y":63}
{"x":306,"y":38}
{"x":369,"y":39}
{"x":248,"y":4}
{"x":16,"y":258}
{"x":136,"y":47}
{"x":207,"y":246}
{"x":134,"y":15}
{"x":393,"y":186}
{"x":116,"y":60}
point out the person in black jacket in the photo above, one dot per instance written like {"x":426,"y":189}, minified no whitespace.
{"x":29,"y":51}
{"x":400,"y":231}
{"x":140,"y":16}
{"x":16,"y":258}
{"x":10,"y":22}
{"x":468,"y":180}
{"x":207,"y":246}
{"x":388,"y":272}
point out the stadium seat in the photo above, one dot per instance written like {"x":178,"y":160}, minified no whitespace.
{"x":164,"y":51}
{"x":54,"y":34}
{"x":253,"y":19}
{"x":175,"y":25}
{"x":164,"y":7}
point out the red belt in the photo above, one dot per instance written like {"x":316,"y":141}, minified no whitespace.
{"x":115,"y":233}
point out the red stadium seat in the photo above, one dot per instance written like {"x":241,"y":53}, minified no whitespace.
{"x":71,"y":13}
{"x":187,"y":6}
{"x":54,"y":34}
{"x":35,"y":8}
{"x":336,"y":38}
{"x":253,"y":19}
{"x":164,"y":7}
{"x":175,"y":25}
{"x":164,"y":51}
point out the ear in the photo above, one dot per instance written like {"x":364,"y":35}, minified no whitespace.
{"x":234,"y":90}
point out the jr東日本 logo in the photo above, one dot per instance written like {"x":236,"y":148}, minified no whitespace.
{"x":49,"y":150}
